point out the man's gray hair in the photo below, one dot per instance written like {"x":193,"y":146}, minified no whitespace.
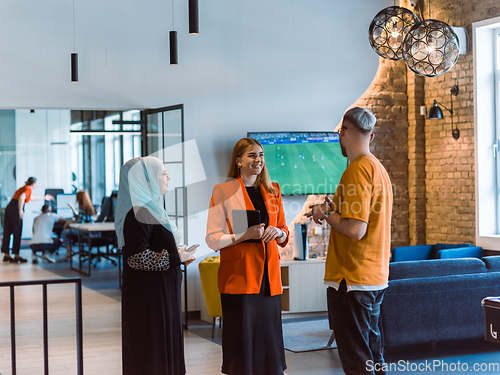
{"x":361,"y":117}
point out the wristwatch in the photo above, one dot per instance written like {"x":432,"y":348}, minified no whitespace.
{"x":327,"y":213}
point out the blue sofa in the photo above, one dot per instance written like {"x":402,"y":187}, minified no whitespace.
{"x":437,"y":251}
{"x":437,"y":300}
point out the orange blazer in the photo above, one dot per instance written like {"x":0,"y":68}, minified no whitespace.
{"x":242,"y":265}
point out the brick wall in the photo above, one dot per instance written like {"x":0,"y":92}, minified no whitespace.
{"x":449,"y":163}
{"x":432,"y":172}
{"x":416,"y":159}
{"x":441,"y":169}
{"x":387,"y":99}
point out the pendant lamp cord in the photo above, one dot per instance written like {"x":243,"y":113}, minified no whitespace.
{"x":419,"y":8}
{"x":173,"y":27}
{"x":74,"y":44}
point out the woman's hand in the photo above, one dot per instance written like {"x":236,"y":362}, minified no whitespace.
{"x":271,"y":233}
{"x":255,"y":232}
{"x":187,"y":255}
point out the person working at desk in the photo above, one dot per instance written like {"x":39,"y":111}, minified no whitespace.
{"x":13,"y":220}
{"x":84,"y":215}
{"x":42,"y":235}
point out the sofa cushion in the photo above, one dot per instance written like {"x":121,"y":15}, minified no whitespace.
{"x":405,"y":253}
{"x":442,"y":246}
{"x":461,"y":252}
{"x":435,"y":268}
{"x":492,"y":263}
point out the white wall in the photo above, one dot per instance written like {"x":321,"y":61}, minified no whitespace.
{"x":291,"y":57}
{"x":256,"y":65}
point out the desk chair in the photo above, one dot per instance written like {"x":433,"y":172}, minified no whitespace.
{"x":53,"y":203}
{"x":209,"y":267}
{"x":58,"y":227}
{"x":105,"y":239}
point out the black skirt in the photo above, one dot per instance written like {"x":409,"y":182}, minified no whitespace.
{"x":252,"y":335}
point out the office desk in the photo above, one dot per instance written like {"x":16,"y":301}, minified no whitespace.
{"x":89,"y":229}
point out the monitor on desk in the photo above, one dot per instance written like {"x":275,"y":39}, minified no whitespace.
{"x":63,"y":208}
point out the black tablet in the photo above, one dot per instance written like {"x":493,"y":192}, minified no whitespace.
{"x":244,"y":219}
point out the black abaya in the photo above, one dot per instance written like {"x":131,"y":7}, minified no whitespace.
{"x":151,"y":302}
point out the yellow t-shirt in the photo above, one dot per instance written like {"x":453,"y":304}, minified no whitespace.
{"x":364,"y":193}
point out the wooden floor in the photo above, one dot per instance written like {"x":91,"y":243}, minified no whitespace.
{"x":102,"y":332}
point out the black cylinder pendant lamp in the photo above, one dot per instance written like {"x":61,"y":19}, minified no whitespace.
{"x":194,"y":27}
{"x":173,"y":48}
{"x":74,"y":55}
{"x":74,"y":67}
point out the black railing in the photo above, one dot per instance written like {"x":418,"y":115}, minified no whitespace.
{"x":79,"y":322}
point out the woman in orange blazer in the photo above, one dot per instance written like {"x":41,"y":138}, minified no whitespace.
{"x":249,"y":276}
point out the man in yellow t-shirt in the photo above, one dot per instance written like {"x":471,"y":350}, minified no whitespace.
{"x":357,"y":262}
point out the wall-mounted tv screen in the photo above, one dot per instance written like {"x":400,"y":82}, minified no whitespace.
{"x":303,"y":162}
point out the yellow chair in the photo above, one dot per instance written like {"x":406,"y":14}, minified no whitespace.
{"x":209,"y":268}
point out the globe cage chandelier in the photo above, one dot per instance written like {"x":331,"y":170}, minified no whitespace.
{"x":431,"y":48}
{"x":388,"y":31}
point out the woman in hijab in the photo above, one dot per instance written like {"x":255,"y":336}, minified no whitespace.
{"x":151,"y":292}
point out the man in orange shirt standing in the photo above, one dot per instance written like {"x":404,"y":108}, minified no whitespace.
{"x":13,"y":220}
{"x":357,"y":263}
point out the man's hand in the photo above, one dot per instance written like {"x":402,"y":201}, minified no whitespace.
{"x":317,"y":211}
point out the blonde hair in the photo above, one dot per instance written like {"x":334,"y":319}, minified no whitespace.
{"x":242,"y":146}
{"x":84,"y":203}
